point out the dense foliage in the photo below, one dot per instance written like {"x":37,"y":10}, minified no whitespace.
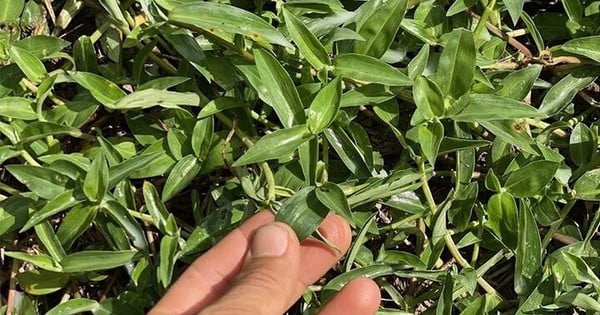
{"x":459,"y":138}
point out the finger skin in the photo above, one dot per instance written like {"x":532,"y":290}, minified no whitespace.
{"x":210,"y":276}
{"x":265,"y":285}
{"x":359,"y":297}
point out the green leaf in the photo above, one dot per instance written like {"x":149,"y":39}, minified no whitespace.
{"x":10,"y":10}
{"x":84,"y":55}
{"x":218,"y":105}
{"x":104,"y":91}
{"x":14,"y":213}
{"x":530,"y":179}
{"x":283,"y":96}
{"x":202,"y":136}
{"x":31,"y":66}
{"x":514,"y":7}
{"x":459,"y":6}
{"x":17,"y":108}
{"x":397,"y":182}
{"x":502,"y":218}
{"x":486,"y":107}
{"x":75,"y":306}
{"x":444,"y":306}
{"x":275,"y":145}
{"x":42,"y":46}
{"x":42,"y":181}
{"x":582,"y":144}
{"x":181,"y":176}
{"x":587,"y":187}
{"x":419,"y":63}
{"x":41,"y":129}
{"x":121,"y":171}
{"x":155,"y":207}
{"x":574,"y":9}
{"x":75,"y":222}
{"x":95,"y":183}
{"x":368,"y":70}
{"x":528,"y":264}
{"x":40,"y":260}
{"x":456,"y":68}
{"x":50,"y":242}
{"x":303,"y":212}
{"x":518,"y":84}
{"x":563,"y":92}
{"x":584,"y":46}
{"x":168,"y":257}
{"x":347,"y":150}
{"x":428,"y":97}
{"x":378,"y":26}
{"x":42,"y":282}
{"x":92,"y":260}
{"x":512,"y":132}
{"x":332,"y":197}
{"x":325,"y":106}
{"x":430,"y":138}
{"x":151,"y":97}
{"x":121,"y":215}
{"x":309,"y":45}
{"x":211,"y":16}
{"x":59,"y":203}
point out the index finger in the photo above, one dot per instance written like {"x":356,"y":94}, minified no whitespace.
{"x":210,"y":275}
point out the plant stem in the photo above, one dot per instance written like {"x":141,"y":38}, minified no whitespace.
{"x":465,"y":264}
{"x":426,"y":189}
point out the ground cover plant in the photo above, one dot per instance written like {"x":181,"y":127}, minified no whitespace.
{"x":459,"y":138}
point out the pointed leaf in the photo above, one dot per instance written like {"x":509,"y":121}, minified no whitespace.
{"x":430,"y":138}
{"x":92,"y":260}
{"x":31,"y":66}
{"x":379,"y":26}
{"x":95,"y":183}
{"x":563,"y":92}
{"x":282,"y":92}
{"x":587,"y":186}
{"x":584,"y":46}
{"x":17,"y":108}
{"x":152,"y":97}
{"x":369,"y":70}
{"x":303,"y":212}
{"x":75,"y":306}
{"x":530,"y":179}
{"x":309,"y":45}
{"x":275,"y":145}
{"x":456,"y":68}
{"x":44,"y":182}
{"x":181,"y":176}
{"x":528,"y":264}
{"x":428,"y":97}
{"x":104,"y":91}
{"x":211,"y":16}
{"x":485,"y":107}
{"x":325,"y":106}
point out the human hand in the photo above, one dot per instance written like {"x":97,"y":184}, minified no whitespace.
{"x":261,"y":268}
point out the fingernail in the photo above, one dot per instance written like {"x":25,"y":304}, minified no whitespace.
{"x":269,"y":241}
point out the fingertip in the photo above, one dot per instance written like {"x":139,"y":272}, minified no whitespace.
{"x":366,"y":292}
{"x":360,"y":296}
{"x":337,"y":231}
